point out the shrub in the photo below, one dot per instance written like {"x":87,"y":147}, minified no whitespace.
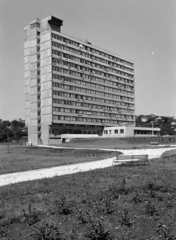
{"x":64,"y":206}
{"x":126,"y":219}
{"x":137,"y":198}
{"x":73,"y":235}
{"x":106,"y":205}
{"x":47,"y":231}
{"x":97,"y":230}
{"x":151,"y":188}
{"x":170,"y":203}
{"x":122,"y":188}
{"x":101,"y":203}
{"x":157,"y":185}
{"x":83,"y":215}
{"x":114,"y":191}
{"x":164,"y":233}
{"x":31,"y":216}
{"x":150,"y":208}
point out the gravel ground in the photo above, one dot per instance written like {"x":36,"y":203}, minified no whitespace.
{"x":12,"y":178}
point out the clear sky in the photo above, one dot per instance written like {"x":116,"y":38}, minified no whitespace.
{"x":140,"y":30}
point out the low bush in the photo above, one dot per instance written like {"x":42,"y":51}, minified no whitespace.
{"x":97,"y":229}
{"x":137,"y":198}
{"x":63,"y":205}
{"x":150,"y":208}
{"x":164,"y":232}
{"x":31,"y":215}
{"x":126,"y":219}
{"x":83,"y":215}
{"x":47,"y":231}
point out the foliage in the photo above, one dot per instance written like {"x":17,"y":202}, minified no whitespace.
{"x":64,"y":205}
{"x":126,"y":219}
{"x":31,"y":216}
{"x":163,"y":122}
{"x":124,"y":202}
{"x":47,"y":231}
{"x":97,"y":229}
{"x":164,"y":232}
{"x":12,"y":130}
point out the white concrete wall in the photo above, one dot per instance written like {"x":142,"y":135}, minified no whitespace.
{"x":113,"y":134}
{"x":74,"y":136}
{"x":128,"y":131}
{"x":46,"y":84}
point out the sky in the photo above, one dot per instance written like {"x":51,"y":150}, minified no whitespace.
{"x":141,"y":30}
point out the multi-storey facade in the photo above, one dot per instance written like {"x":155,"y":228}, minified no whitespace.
{"x":72,"y":86}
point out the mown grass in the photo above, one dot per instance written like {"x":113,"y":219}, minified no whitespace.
{"x":106,"y":143}
{"x":23,"y":158}
{"x":115,"y":143}
{"x":122,"y":203}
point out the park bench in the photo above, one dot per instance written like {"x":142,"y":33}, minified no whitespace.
{"x":131,"y":160}
{"x":154,"y":143}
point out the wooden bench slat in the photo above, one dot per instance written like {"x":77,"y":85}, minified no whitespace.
{"x":126,"y":159}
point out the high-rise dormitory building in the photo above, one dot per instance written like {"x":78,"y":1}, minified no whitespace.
{"x":72,"y":86}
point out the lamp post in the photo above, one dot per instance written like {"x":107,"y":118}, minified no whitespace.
{"x":8,"y":143}
{"x":8,"y":139}
{"x":152,"y":122}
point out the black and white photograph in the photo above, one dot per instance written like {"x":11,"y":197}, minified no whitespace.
{"x":87,"y":119}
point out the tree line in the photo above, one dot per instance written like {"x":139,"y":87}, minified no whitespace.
{"x":12,"y":130}
{"x":167,"y":125}
{"x":16,"y":129}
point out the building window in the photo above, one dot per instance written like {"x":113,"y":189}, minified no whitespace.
{"x":121,"y":130}
{"x":116,"y":131}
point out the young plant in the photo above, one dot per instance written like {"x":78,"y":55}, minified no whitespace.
{"x":137,"y":198}
{"x":31,"y":216}
{"x":107,"y":205}
{"x":126,"y":219}
{"x":64,"y":206}
{"x":97,"y":230}
{"x":164,"y":233}
{"x":150,"y":208}
{"x":47,"y":231}
{"x":83,"y":215}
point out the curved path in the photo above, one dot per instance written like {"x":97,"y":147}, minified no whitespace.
{"x":12,"y":178}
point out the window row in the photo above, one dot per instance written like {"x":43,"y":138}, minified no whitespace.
{"x":90,"y":49}
{"x":84,"y":112}
{"x":89,"y":91}
{"x":114,"y":131}
{"x":121,"y":87}
{"x":90,"y":84}
{"x":87,"y":70}
{"x":91,"y":106}
{"x":83,"y":119}
{"x":91,"y":72}
{"x":99,"y":80}
{"x":110,"y":68}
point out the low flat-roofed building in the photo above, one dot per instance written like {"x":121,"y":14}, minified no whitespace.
{"x":130,"y":131}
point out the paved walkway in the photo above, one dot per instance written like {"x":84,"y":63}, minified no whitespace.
{"x":12,"y":178}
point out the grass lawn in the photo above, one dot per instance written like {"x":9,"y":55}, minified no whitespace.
{"x":169,"y":153}
{"x":23,"y":158}
{"x":106,"y":143}
{"x":121,"y":203}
